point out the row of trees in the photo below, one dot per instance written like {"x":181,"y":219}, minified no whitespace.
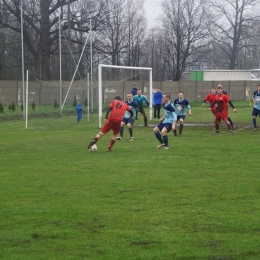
{"x":189,"y":35}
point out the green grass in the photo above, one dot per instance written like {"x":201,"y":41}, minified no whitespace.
{"x":198,"y":200}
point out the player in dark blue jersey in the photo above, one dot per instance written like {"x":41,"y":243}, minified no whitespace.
{"x":182,"y":105}
{"x":127,"y":119}
{"x":256,"y":108}
{"x":134,"y":90}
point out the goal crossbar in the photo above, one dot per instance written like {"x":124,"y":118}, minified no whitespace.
{"x":100,"y":66}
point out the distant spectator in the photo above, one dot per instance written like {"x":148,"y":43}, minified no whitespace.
{"x":157,"y":102}
{"x":79,"y":111}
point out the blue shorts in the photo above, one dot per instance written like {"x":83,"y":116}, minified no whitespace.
{"x":168,"y":126}
{"x":256,"y":112}
{"x":128,"y":120}
{"x":181,"y":116}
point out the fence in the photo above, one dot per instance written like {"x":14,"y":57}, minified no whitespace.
{"x":48,"y":91}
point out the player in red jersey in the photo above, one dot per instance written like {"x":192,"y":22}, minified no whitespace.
{"x":211,"y":98}
{"x":222,"y":102}
{"x":114,"y":115}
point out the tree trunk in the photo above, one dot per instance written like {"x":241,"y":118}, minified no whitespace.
{"x":44,"y":45}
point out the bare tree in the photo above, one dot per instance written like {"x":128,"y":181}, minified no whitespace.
{"x":136,"y":32}
{"x":155,"y":54}
{"x":185,"y":30}
{"x":120,"y":38}
{"x":230,"y":27}
{"x":41,"y":25}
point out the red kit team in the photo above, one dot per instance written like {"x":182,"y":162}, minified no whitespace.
{"x":219,"y":107}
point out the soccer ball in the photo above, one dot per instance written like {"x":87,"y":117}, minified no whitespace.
{"x":93,"y":148}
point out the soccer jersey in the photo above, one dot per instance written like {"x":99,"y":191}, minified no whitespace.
{"x":256,"y":96}
{"x":157,"y":98}
{"x":140,"y":100}
{"x":222,"y":102}
{"x":181,"y":106}
{"x":169,"y":113}
{"x":133,"y":105}
{"x":118,"y":109}
{"x":210,"y":98}
{"x":134,"y":91}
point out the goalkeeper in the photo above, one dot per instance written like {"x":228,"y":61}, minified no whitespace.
{"x":140,"y":99}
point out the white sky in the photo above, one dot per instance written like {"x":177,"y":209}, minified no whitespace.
{"x":152,"y":9}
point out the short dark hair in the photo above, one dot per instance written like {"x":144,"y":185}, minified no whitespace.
{"x":168,"y":95}
{"x":117,"y":98}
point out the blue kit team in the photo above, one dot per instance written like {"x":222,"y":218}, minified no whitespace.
{"x":166,"y":122}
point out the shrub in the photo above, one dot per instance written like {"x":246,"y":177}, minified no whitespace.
{"x":1,"y":108}
{"x":13,"y":107}
{"x":56,"y":105}
{"x":33,"y":105}
{"x":75,"y":101}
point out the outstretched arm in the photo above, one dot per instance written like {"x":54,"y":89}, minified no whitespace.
{"x":231,"y":104}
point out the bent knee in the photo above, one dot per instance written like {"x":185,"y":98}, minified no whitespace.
{"x":155,"y":130}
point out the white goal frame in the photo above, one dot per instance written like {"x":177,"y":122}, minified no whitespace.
{"x":100,"y":66}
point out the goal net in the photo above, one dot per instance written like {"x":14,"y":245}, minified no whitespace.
{"x":53,"y":106}
{"x":118,"y":81}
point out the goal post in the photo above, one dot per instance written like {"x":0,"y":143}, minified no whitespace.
{"x":100,"y":93}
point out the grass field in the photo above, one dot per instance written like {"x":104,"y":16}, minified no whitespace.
{"x":198,"y":200}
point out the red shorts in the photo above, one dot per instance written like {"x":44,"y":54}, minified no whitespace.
{"x":112,"y":124}
{"x":222,"y":115}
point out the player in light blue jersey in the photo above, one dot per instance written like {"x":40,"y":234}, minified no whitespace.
{"x":165,"y":123}
{"x":140,"y":99}
{"x":182,"y":105}
{"x":256,"y":108}
{"x":127,"y":119}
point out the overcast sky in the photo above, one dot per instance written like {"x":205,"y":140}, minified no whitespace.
{"x":152,"y":9}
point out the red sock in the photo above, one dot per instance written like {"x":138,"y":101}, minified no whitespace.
{"x":112,"y":141}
